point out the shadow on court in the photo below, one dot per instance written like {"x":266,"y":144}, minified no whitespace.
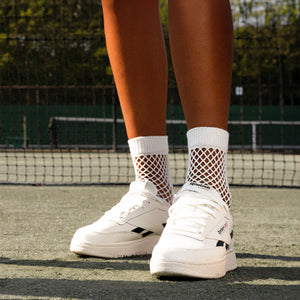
{"x":37,"y":224}
{"x":125,"y":265}
{"x":236,"y":285}
{"x":108,"y":289}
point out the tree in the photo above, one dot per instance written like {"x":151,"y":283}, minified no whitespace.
{"x":52,"y":43}
{"x":61,"y":43}
{"x":266,"y":57}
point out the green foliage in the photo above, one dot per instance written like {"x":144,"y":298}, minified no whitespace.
{"x":164,"y":15}
{"x":266,"y":50}
{"x":52,"y":42}
{"x":61,"y":42}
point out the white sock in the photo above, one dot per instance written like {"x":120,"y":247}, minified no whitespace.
{"x":150,"y":156}
{"x":208,"y":159}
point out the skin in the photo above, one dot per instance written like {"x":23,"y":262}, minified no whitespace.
{"x":201,"y":47}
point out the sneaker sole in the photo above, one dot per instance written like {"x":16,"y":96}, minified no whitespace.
{"x":137,"y":247}
{"x":207,"y":271}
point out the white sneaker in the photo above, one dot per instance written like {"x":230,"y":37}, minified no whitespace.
{"x":198,"y":238}
{"x":132,"y":227}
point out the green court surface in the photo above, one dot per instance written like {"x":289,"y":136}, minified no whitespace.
{"x":37,"y":224}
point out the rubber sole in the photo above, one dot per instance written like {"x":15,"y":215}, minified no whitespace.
{"x":141,"y":246}
{"x":206,"y":271}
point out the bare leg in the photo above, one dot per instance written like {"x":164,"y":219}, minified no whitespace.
{"x":201,"y":44}
{"x":137,"y":54}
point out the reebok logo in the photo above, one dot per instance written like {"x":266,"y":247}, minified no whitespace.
{"x":221,"y":230}
{"x":200,"y":185}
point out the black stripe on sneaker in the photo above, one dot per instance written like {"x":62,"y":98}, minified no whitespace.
{"x":221,"y":244}
{"x":138,"y":229}
{"x":146,"y":233}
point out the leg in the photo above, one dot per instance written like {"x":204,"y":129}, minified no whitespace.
{"x":198,"y":238}
{"x":137,"y":54}
{"x":136,"y":50}
{"x":201,"y":44}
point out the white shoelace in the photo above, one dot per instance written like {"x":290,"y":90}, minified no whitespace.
{"x":128,"y":203}
{"x":192,"y":215}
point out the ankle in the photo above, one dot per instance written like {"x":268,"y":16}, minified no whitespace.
{"x":208,"y":159}
{"x":150,"y":156}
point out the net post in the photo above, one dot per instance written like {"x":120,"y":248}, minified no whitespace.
{"x":24,"y":125}
{"x":53,"y":132}
{"x":38,"y":115}
{"x":253,"y":126}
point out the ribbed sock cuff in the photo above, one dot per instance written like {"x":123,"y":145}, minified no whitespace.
{"x":210,"y":137}
{"x":149,"y":144}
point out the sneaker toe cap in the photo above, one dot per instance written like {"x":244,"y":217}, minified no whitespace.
{"x":89,"y":234}
{"x":188,"y":250}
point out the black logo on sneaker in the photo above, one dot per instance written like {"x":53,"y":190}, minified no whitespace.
{"x":221,"y":230}
{"x":200,"y":185}
{"x":140,"y":230}
{"x":222,"y":244}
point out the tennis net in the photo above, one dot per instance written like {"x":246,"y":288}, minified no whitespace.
{"x":61,"y":122}
{"x":75,"y":153}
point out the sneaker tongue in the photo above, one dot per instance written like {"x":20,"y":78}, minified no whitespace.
{"x":195,"y":187}
{"x":204,"y":191}
{"x":143,"y":186}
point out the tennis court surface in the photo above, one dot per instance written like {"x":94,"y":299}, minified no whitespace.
{"x":64,"y":157}
{"x":37,"y":224}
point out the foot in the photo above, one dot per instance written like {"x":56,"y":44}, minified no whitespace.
{"x":132,"y":227}
{"x":198,"y":238}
